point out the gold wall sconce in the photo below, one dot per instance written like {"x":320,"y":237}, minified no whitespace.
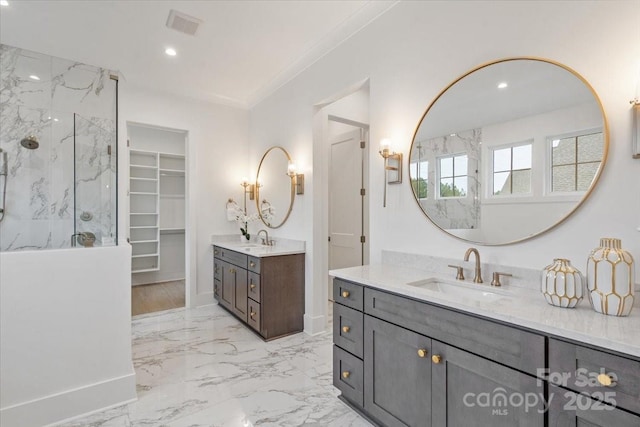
{"x":249,"y":189}
{"x":635,"y":144}
{"x":392,"y":166}
{"x":297,"y":179}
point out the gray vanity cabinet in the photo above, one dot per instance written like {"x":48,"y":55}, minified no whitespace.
{"x":397,"y":372}
{"x":231,"y":289}
{"x":265,"y":293}
{"x":468,"y":390}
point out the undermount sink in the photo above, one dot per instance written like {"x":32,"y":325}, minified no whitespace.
{"x":476,"y":292}
{"x":250,"y":245}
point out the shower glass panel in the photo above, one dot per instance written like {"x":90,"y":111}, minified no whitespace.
{"x":57,"y":121}
{"x":95,"y":181}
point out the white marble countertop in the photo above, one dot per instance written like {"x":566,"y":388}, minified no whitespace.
{"x":254,"y":248}
{"x":516,"y":305}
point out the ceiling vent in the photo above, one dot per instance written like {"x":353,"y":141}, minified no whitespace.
{"x":182,"y":22}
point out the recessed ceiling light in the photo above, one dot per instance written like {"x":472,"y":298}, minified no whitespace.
{"x":34,"y":77}
{"x":170,"y":51}
{"x":502,"y":85}
{"x":452,"y":134}
{"x":4,"y":3}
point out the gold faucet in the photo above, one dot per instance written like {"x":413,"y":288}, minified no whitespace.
{"x":478,"y":275}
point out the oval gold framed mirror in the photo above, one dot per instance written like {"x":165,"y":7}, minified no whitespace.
{"x":508,"y":151}
{"x":275,"y":190}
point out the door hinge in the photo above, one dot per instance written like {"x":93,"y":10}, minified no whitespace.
{"x":362,"y":192}
{"x":362,"y":144}
{"x":128,"y":142}
{"x":108,"y":149}
{"x":362,"y":239}
{"x":329,"y":238}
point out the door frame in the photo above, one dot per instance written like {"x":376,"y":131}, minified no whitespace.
{"x":316,"y":306}
{"x":364,"y":224}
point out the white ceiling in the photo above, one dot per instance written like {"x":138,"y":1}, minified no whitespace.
{"x":242,"y":52}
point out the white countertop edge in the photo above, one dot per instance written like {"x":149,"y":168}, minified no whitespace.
{"x":535,"y":314}
{"x":282,"y":247}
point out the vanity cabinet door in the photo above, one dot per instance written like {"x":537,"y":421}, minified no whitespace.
{"x":227,"y":285}
{"x":397,"y":374}
{"x":570,"y":409}
{"x":240,"y":292}
{"x":472,"y":391}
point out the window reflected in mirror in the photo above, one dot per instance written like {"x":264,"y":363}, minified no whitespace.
{"x":512,"y":170}
{"x":575,"y":161}
{"x":453,"y":176}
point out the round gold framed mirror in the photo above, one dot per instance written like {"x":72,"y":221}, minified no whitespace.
{"x":508,"y":151}
{"x":275,"y":190}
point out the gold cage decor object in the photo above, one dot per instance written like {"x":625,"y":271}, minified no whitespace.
{"x":610,"y":278}
{"x":562,"y":284}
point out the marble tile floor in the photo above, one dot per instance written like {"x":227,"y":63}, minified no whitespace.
{"x":201,"y":367}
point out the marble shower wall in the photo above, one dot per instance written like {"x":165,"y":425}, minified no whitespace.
{"x":452,"y":213}
{"x":70,"y":108}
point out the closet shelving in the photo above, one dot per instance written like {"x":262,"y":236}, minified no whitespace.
{"x":144,"y":233}
{"x":156,"y":204}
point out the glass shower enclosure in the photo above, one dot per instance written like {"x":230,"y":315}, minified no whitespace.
{"x":58,"y":136}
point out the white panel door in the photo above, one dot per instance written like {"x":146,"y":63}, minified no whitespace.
{"x":345,"y":200}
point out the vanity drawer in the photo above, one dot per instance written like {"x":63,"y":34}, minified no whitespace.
{"x":348,"y":329}
{"x":507,"y":345}
{"x":581,"y":366}
{"x":253,"y":317}
{"x":254,"y":264}
{"x":234,"y":258}
{"x":348,"y":293}
{"x":348,"y":375}
{"x":217,"y":252}
{"x":254,"y":286}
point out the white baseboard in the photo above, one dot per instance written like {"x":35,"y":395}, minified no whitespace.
{"x":61,"y":407}
{"x":204,"y":299}
{"x":314,"y":325}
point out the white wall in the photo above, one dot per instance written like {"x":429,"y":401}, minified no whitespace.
{"x":65,"y":341}
{"x":413,"y":51}
{"x":217,"y":157}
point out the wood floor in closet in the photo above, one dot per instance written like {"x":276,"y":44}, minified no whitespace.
{"x":157,"y":297}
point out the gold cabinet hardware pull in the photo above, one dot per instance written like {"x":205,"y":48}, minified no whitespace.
{"x":252,"y":314}
{"x":436,"y":358}
{"x":345,"y":294}
{"x":252,"y":264}
{"x":345,"y":374}
{"x":252,"y":286}
{"x":422,"y":352}
{"x":346,"y":329}
{"x":216,"y":252}
{"x":606,"y":380}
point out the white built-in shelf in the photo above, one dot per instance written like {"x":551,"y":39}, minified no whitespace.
{"x":145,"y":255}
{"x":143,"y":241}
{"x":145,"y":270}
{"x":143,"y":166}
{"x":135,"y":227}
{"x":142,"y":193}
{"x":135,"y":178}
{"x":171,"y":172}
{"x":171,"y":230}
{"x":143,"y":213}
{"x":176,"y":196}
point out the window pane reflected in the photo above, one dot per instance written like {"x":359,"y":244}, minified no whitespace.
{"x":446,"y":167}
{"x":590,"y":148}
{"x":460,"y":165}
{"x":586,"y":173}
{"x":521,"y":182}
{"x":564,"y":178}
{"x":501,"y":183}
{"x":564,"y":151}
{"x":522,"y":157}
{"x":502,"y":160}
{"x":460,"y":186}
